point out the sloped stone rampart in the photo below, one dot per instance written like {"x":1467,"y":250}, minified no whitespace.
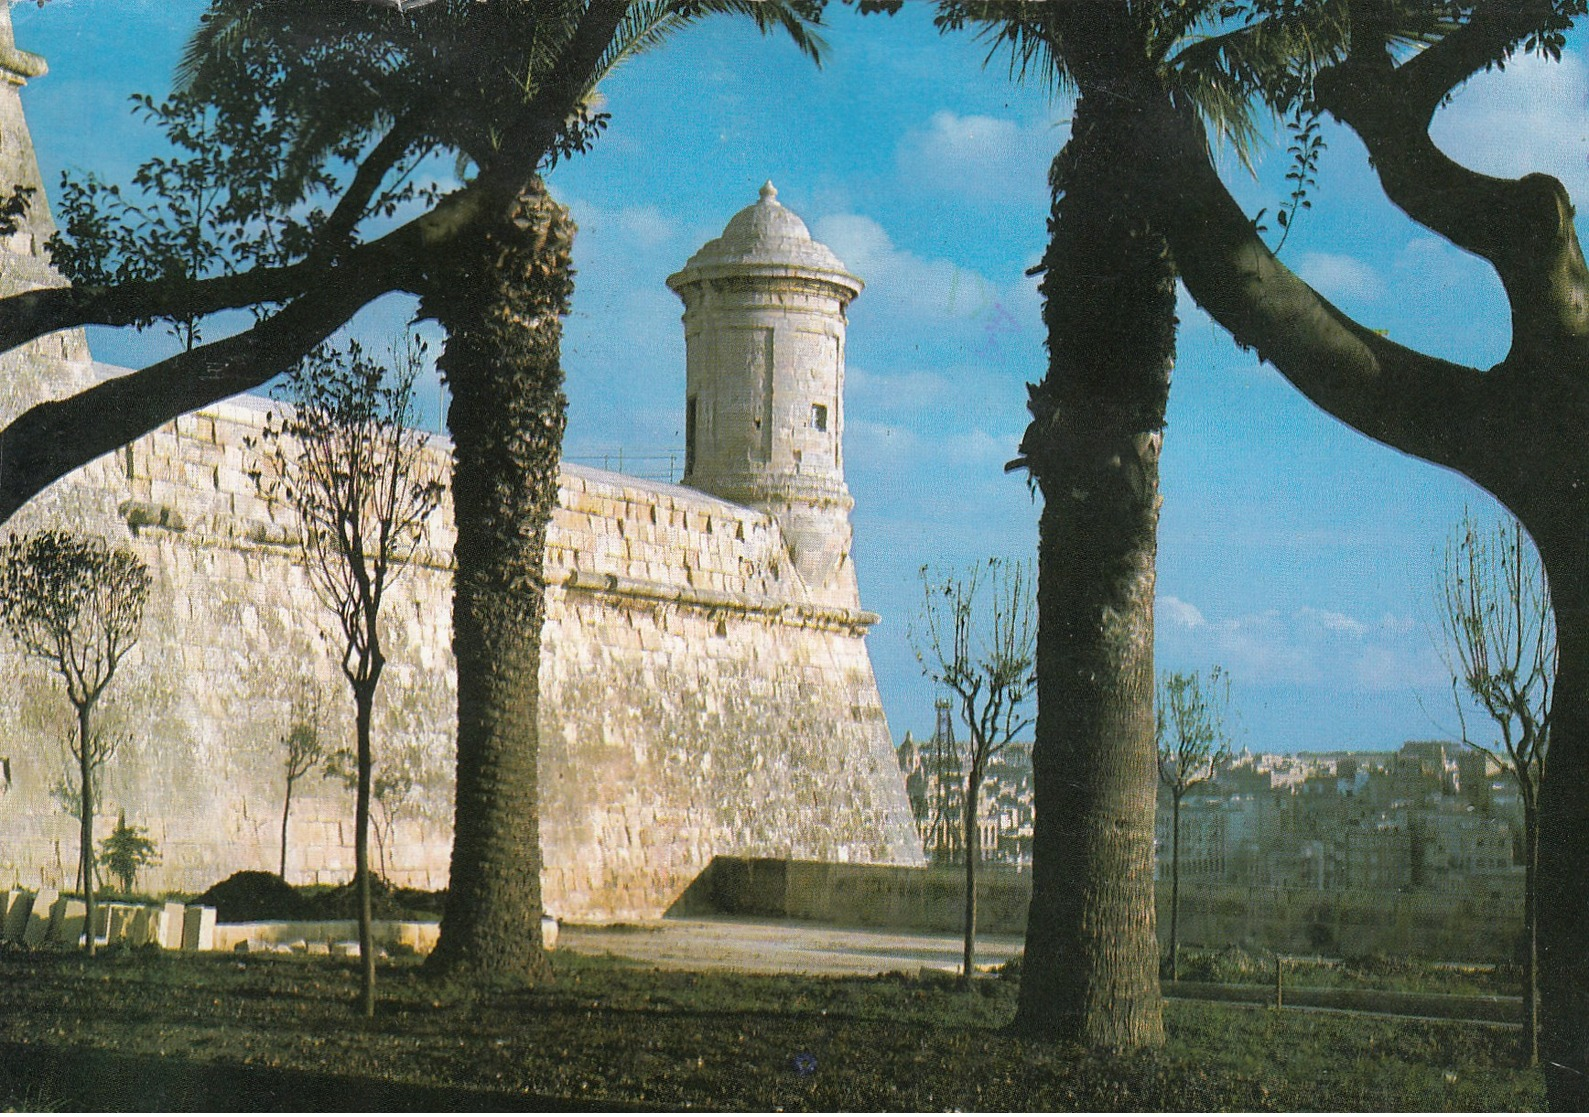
{"x":695,"y":700}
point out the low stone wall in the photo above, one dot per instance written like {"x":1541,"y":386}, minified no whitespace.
{"x":920,"y":898}
{"x":46,"y":917}
{"x":340,"y":936}
{"x":1479,"y":924}
{"x":331,"y":936}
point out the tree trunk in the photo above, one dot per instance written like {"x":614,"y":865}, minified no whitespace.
{"x":501,"y":304}
{"x":973,"y":844}
{"x":1530,"y":925}
{"x":85,"y":776}
{"x":1563,"y":818}
{"x":286,"y":809}
{"x":1091,"y":969}
{"x":1175,"y":889}
{"x":364,"y":703}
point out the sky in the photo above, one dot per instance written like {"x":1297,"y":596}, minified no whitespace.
{"x":1293,"y":551}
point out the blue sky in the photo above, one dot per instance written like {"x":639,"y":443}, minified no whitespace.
{"x":1293,"y":551}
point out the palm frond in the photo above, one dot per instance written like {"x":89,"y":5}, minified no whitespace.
{"x":1036,"y":51}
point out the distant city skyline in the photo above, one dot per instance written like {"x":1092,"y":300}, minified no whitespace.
{"x":1293,"y":551}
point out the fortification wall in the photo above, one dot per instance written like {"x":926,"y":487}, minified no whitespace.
{"x":694,"y":700}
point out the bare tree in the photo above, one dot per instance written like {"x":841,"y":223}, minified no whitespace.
{"x":304,"y":750}
{"x":67,"y":790}
{"x":985,"y":660}
{"x":346,"y":458}
{"x":1192,"y":743}
{"x":1500,"y":645}
{"x":77,"y":604}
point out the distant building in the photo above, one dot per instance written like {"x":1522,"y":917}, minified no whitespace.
{"x":935,"y":783}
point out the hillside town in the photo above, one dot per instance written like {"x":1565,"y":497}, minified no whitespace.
{"x":1431,"y":816}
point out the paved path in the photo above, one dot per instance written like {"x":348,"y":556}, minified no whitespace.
{"x":781,"y":946}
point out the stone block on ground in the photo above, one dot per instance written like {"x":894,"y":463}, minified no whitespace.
{"x":140,"y":932}
{"x":122,"y":918}
{"x":548,"y":933}
{"x":168,"y":921}
{"x":68,"y":918}
{"x":198,"y":928}
{"x":37,"y":930}
{"x":416,"y":938}
{"x":14,"y":916}
{"x":345,"y":950}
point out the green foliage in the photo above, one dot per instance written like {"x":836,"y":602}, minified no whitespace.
{"x":210,"y":208}
{"x":126,"y":850}
{"x":74,"y":602}
{"x":452,"y":75}
{"x":1192,"y":737}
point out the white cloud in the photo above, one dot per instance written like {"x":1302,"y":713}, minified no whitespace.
{"x":895,"y":395}
{"x":1331,"y":621}
{"x":1303,"y":646}
{"x":646,"y":225}
{"x":980,"y":157}
{"x":912,"y":296}
{"x":1529,"y":117}
{"x":1342,"y":279}
{"x":1179,"y":612}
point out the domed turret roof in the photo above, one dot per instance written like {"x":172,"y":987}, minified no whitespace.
{"x":763,"y":238}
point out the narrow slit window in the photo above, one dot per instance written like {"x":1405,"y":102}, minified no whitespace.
{"x":689,"y":435}
{"x":819,"y":416}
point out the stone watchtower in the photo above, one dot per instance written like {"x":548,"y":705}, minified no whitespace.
{"x":764,"y":318}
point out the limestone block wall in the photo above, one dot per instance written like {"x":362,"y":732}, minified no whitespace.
{"x":688,"y":678}
{"x":695,"y":701}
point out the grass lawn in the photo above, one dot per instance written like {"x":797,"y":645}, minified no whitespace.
{"x":151,"y":1030}
{"x":1381,"y":972}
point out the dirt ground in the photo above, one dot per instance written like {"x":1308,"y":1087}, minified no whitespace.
{"x":781,"y":947}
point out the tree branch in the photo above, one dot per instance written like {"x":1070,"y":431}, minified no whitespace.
{"x":49,"y":440}
{"x":1486,"y":38}
{"x":44,"y":310}
{"x":1405,"y":399}
{"x":354,"y":203}
{"x":538,"y":126}
{"x":1523,"y":227}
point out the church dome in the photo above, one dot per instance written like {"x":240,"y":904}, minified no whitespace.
{"x":767,"y":236}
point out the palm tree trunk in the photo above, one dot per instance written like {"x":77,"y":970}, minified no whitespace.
{"x":1091,"y":967}
{"x":1563,"y":921}
{"x":1530,"y":924}
{"x":501,"y":302}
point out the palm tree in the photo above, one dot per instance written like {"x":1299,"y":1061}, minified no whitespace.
{"x":1091,"y":966}
{"x":462,"y":76}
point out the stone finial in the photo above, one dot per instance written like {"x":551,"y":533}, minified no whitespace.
{"x":769,"y":193}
